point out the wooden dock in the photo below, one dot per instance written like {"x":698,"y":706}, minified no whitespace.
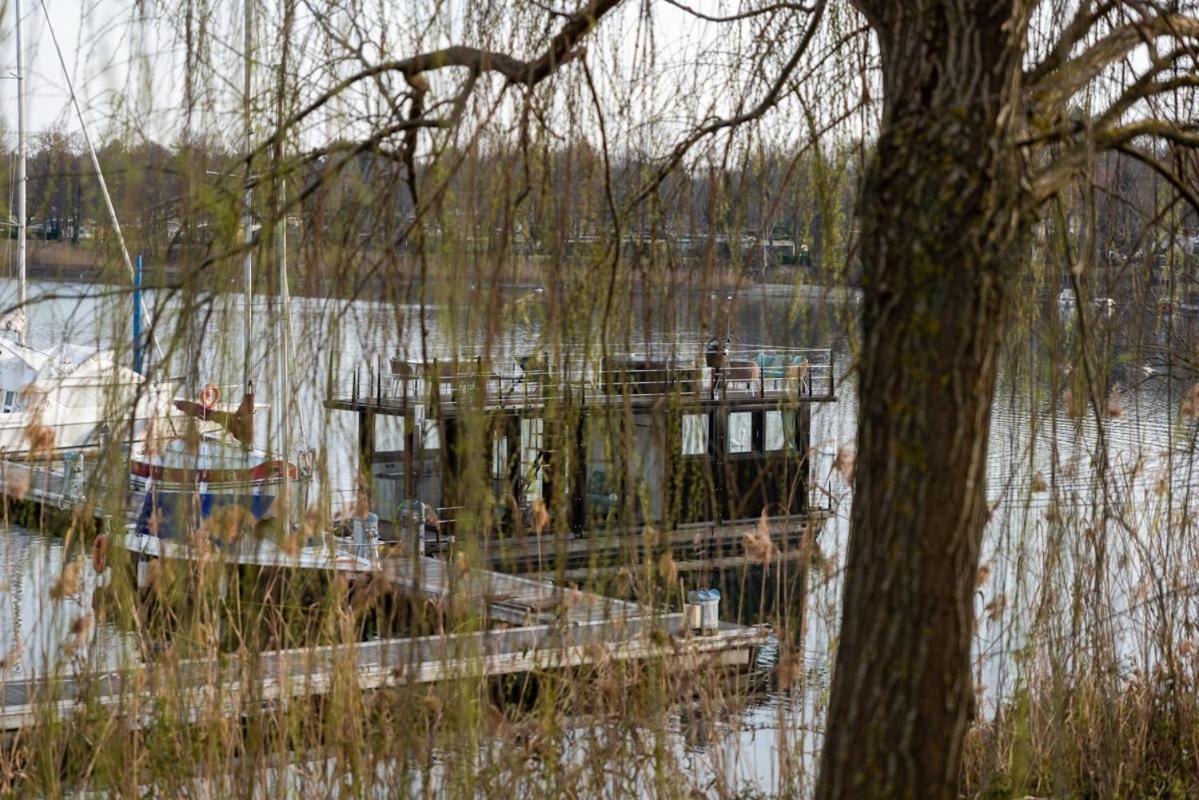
{"x":506,"y":598}
{"x":45,"y":483}
{"x":694,"y":547}
{"x":229,"y":686}
{"x":535,"y":626}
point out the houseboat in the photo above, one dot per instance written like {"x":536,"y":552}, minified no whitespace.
{"x":572,"y":466}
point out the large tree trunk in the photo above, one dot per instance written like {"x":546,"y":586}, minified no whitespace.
{"x":943,"y":218}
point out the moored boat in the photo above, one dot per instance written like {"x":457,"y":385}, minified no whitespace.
{"x":70,"y":398}
{"x":188,"y":484}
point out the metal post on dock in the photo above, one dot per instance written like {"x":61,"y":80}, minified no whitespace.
{"x":366,"y":450}
{"x":435,"y":395}
{"x":831,"y":371}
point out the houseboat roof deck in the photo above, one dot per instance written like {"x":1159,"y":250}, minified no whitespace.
{"x":744,"y":373}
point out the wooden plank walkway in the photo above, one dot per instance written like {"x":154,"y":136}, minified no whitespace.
{"x":228,"y":686}
{"x":694,"y":546}
{"x":557,"y":628}
{"x":559,"y":556}
{"x":587,"y":575}
{"x":508,"y":598}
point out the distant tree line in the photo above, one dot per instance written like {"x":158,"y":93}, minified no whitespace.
{"x":181,"y":204}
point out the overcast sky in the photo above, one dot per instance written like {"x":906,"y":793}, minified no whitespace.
{"x":99,"y":39}
{"x":127,"y":69}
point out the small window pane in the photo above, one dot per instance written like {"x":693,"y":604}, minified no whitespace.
{"x":431,"y":436}
{"x":427,"y":431}
{"x":695,"y":434}
{"x":389,"y":433}
{"x":531,"y":441}
{"x":499,"y":457}
{"x":777,"y":430}
{"x":741,"y":432}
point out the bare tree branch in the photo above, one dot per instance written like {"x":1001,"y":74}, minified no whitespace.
{"x":1085,"y":18}
{"x":1049,"y":95}
{"x":563,"y":47}
{"x":1050,"y":180}
{"x":743,"y":15}
{"x":765,"y":104}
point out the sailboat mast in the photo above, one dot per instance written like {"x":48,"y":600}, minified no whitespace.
{"x":248,"y":262}
{"x":21,"y":181}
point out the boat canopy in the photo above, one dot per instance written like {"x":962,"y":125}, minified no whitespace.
{"x":20,"y":366}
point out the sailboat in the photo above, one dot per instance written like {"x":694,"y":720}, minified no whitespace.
{"x":63,"y":397}
{"x":192,"y":482}
{"x":208,"y":491}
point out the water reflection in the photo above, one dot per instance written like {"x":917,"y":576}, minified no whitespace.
{"x":47,"y":616}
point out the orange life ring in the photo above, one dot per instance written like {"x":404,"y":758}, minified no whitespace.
{"x":100,"y":554}
{"x":210,"y":395}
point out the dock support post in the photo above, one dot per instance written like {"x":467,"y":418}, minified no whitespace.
{"x":803,"y":426}
{"x":137,"y":314}
{"x":366,"y":452}
{"x":578,"y":480}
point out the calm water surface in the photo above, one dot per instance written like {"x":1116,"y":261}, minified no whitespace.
{"x":1145,"y":442}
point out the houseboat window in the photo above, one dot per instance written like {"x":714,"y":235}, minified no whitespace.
{"x":531,"y":442}
{"x":10,"y":401}
{"x":499,"y":457}
{"x":389,"y":433}
{"x":695,"y":434}
{"x":430,"y":434}
{"x":780,"y":430}
{"x":741,"y":432}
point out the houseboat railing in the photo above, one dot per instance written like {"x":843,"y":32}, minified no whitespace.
{"x":741,"y":372}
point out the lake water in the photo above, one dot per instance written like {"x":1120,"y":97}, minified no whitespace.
{"x":1130,"y":496}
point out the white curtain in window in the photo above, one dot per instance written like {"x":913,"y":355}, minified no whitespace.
{"x":789,"y":429}
{"x":427,"y":430}
{"x":389,"y":433}
{"x":741,"y":432}
{"x":499,"y":457}
{"x":695,"y":434}
{"x":774,"y":437}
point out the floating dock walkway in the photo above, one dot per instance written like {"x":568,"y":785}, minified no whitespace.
{"x":505,"y":598}
{"x":227,"y":686}
{"x":547,"y":628}
{"x":694,"y":547}
{"x":535,"y":626}
{"x":49,"y":483}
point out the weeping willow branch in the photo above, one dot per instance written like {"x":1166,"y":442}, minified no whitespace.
{"x":562,"y":48}
{"x":1052,"y":87}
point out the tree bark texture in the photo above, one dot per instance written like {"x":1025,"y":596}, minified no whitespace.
{"x":943,"y":219}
